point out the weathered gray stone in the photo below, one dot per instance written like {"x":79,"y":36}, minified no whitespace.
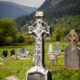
{"x":27,"y":52}
{"x":39,"y":30}
{"x":51,"y":54}
{"x":72,"y":58}
{"x":21,"y":52}
{"x":57,"y":51}
{"x":72,"y":52}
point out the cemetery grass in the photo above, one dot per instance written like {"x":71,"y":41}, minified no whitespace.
{"x":19,"y":68}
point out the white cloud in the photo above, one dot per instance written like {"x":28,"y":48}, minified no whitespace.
{"x":31,"y":3}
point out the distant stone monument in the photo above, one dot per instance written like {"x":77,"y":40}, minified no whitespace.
{"x":27,"y":52}
{"x":39,"y":30}
{"x":72,"y":52}
{"x":21,"y":52}
{"x":5,"y":53}
{"x":51,"y":54}
{"x":57,"y":51}
{"x":12,"y":52}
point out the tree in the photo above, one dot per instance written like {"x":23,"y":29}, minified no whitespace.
{"x":8,"y":29}
{"x":58,"y":33}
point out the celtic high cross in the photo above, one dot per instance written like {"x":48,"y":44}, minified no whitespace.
{"x":72,"y":38}
{"x":39,"y":30}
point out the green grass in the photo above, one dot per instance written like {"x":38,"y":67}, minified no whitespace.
{"x":19,"y":68}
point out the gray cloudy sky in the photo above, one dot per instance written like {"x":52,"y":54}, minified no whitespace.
{"x":31,"y":3}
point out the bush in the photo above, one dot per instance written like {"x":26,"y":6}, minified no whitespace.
{"x":8,"y":40}
{"x":29,"y":40}
{"x":21,"y":39}
{"x":48,"y":39}
{"x":1,"y":40}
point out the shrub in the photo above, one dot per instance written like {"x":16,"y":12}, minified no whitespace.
{"x":21,"y":39}
{"x":8,"y":40}
{"x":29,"y":40}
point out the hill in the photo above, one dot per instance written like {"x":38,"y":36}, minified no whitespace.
{"x":64,"y":7}
{"x":55,"y":9}
{"x":13,"y":10}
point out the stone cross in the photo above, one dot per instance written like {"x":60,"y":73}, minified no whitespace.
{"x":72,"y":38}
{"x":72,"y":52}
{"x":39,"y":30}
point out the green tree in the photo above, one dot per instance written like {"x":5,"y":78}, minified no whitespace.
{"x":58,"y":33}
{"x":8,"y":29}
{"x":21,"y":39}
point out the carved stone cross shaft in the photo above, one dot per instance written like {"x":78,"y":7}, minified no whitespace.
{"x":39,"y":30}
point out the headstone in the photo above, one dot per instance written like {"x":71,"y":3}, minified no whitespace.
{"x":50,"y":49}
{"x":5,"y":53}
{"x":27,"y":52}
{"x":21,"y":52}
{"x":57,"y":51}
{"x":51,"y":54}
{"x":12,"y":52}
{"x":40,"y":30}
{"x":72,"y":52}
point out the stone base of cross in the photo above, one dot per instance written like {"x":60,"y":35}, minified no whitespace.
{"x":39,"y":30}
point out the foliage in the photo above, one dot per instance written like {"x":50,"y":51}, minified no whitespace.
{"x":58,"y":33}
{"x":64,"y":8}
{"x":29,"y":40}
{"x":69,"y":22}
{"x":21,"y":39}
{"x":8,"y":30}
{"x":8,"y":40}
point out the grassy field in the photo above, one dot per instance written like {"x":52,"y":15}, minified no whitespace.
{"x":19,"y":68}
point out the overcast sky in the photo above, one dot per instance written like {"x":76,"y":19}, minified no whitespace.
{"x":31,"y":3}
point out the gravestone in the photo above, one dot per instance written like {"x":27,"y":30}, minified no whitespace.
{"x":39,"y":30}
{"x":21,"y":52}
{"x":72,"y":52}
{"x":27,"y":52}
{"x":51,"y":55}
{"x":12,"y":52}
{"x":57,"y":51}
{"x":5,"y":53}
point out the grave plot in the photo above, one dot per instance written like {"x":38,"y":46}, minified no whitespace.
{"x":72,"y":52}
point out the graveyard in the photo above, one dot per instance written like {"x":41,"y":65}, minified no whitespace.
{"x":18,"y":68}
{"x":40,"y":40}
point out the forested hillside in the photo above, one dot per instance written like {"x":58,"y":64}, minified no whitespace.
{"x":60,"y":15}
{"x":52,"y":10}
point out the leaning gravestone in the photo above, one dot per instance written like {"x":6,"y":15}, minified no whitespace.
{"x":72,"y":52}
{"x":12,"y":52}
{"x":51,"y":55}
{"x":40,"y":30}
{"x":57,"y":51}
{"x":5,"y":53}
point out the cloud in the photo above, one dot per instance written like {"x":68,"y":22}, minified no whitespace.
{"x":31,"y":3}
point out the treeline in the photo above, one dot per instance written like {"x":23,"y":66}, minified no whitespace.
{"x":62,"y":26}
{"x":9,"y":32}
